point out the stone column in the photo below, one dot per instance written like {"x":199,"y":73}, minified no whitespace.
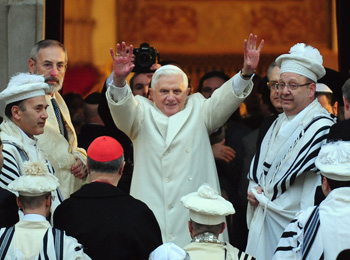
{"x":21,"y":26}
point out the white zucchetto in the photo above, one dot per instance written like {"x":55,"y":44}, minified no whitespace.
{"x":23,"y":86}
{"x":206,"y":206}
{"x":333,"y":160}
{"x":304,"y":60}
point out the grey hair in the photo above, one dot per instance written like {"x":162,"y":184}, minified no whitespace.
{"x":346,"y":90}
{"x":44,"y":44}
{"x":270,"y":68}
{"x":168,"y":70}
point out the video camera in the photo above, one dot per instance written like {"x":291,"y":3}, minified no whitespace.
{"x":145,"y":57}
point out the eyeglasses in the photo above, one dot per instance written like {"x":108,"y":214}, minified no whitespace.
{"x":292,"y":86}
{"x":272,"y":85}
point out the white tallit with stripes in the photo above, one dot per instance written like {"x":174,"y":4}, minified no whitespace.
{"x":318,"y":232}
{"x":284,"y":168}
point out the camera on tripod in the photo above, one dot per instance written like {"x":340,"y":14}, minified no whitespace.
{"x":145,"y":57}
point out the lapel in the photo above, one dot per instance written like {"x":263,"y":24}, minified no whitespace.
{"x":175,"y":124}
{"x":64,"y":110}
{"x":170,"y":126}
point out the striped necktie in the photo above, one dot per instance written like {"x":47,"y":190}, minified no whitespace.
{"x":58,"y":115}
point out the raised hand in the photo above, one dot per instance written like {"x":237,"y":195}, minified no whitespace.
{"x":123,"y":63}
{"x":251,"y":54}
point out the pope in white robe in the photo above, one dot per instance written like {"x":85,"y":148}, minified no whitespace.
{"x":172,"y":152}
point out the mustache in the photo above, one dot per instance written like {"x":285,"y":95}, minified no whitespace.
{"x":51,"y":78}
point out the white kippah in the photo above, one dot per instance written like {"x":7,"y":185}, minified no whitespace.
{"x":35,"y":180}
{"x":23,"y":86}
{"x":333,"y":160}
{"x":320,"y":87}
{"x":206,"y":206}
{"x":303,"y":60}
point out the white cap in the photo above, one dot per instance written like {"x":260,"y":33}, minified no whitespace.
{"x":169,"y":251}
{"x":320,"y":87}
{"x":303,"y":60}
{"x":23,"y":86}
{"x":333,"y":160}
{"x":206,"y":206}
{"x":35,"y":180}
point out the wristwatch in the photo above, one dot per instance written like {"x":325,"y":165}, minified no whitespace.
{"x":245,"y":76}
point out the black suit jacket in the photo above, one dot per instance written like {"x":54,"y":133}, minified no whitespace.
{"x":109,"y":223}
{"x":340,"y":131}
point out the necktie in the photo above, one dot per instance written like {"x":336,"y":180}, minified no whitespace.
{"x":58,"y":115}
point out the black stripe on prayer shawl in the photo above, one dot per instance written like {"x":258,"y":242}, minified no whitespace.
{"x":5,"y":241}
{"x":289,"y":234}
{"x":257,"y":157}
{"x":8,"y":159}
{"x":284,"y":248}
{"x":310,"y":231}
{"x":45,"y":245}
{"x":302,"y":162}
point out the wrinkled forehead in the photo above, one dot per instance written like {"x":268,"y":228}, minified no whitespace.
{"x":170,"y":81}
{"x":52,"y":53}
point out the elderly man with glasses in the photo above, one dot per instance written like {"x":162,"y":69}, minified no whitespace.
{"x":283,"y":176}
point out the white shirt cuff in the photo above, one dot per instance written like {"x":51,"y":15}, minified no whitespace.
{"x":118,"y":93}
{"x":239,"y":84}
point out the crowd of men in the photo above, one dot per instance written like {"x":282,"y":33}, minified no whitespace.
{"x":59,"y":201}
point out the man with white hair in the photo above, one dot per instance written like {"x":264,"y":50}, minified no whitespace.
{"x":33,"y":237}
{"x":283,"y":177}
{"x":172,"y":152}
{"x":207,"y":211}
{"x":25,"y":117}
{"x":321,"y":232}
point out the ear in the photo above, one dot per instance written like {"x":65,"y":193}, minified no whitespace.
{"x":325,"y":186}
{"x":31,"y":66}
{"x":121,"y":169}
{"x":16,"y":113}
{"x":188,"y":91}
{"x":346,"y":104}
{"x":190,"y":229}
{"x":19,"y":204}
{"x":150,"y":93}
{"x":48,"y":201}
{"x":312,"y":90}
{"x":223,"y":226}
{"x":335,"y":108}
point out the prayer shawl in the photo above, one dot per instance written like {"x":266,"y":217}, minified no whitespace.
{"x":284,"y":168}
{"x":55,"y":246}
{"x":318,"y":232}
{"x":16,"y":152}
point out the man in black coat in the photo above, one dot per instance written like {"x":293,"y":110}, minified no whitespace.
{"x":341,"y":130}
{"x":108,"y":222}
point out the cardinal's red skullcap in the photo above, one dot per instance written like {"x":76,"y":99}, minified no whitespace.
{"x":105,"y":149}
